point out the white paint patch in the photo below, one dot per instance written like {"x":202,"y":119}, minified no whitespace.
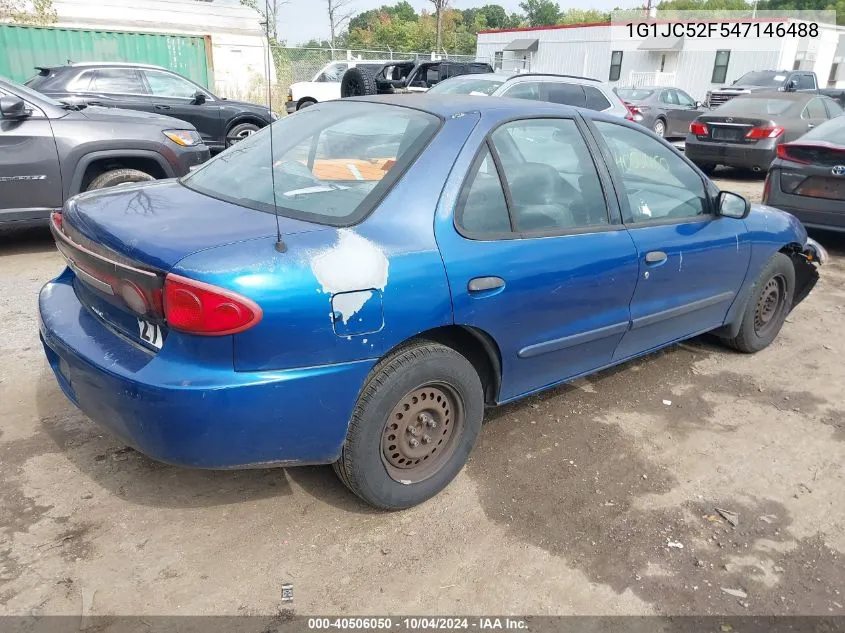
{"x":354,"y":265}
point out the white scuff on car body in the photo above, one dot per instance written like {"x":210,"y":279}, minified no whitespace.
{"x":353,"y":268}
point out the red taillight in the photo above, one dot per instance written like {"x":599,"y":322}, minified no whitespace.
{"x":56,"y":216}
{"x":699,"y":129}
{"x":199,"y":308}
{"x":767,"y":187}
{"x":757,"y":133}
{"x":785,"y":154}
{"x":633,"y":111}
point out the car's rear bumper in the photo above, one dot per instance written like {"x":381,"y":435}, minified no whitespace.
{"x":754,"y":158}
{"x":819,"y":213}
{"x":192,"y":413}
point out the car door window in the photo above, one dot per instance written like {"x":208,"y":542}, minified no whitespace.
{"x":805,"y":82}
{"x":169,"y":85}
{"x":81,"y":83}
{"x":567,"y":94}
{"x":814,"y":110}
{"x":124,"y":81}
{"x":657,"y":183}
{"x":833,"y":108}
{"x":333,"y":73}
{"x":684,"y":99}
{"x":524,"y":90}
{"x":551,"y":177}
{"x":482,"y":210}
{"x":595,"y":99}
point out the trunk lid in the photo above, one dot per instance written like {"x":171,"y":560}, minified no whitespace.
{"x":122,"y":242}
{"x":158,"y":224}
{"x":726,"y":129}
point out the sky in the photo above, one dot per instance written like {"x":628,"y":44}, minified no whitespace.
{"x":301,"y":20}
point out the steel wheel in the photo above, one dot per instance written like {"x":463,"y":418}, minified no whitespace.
{"x":770,"y":305}
{"x":421,"y":432}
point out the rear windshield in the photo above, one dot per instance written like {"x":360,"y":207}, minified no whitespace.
{"x":467,"y":85}
{"x":634,"y":94}
{"x":756,"y":106}
{"x":331,"y":163}
{"x":761,"y":78}
{"x":832,"y":131}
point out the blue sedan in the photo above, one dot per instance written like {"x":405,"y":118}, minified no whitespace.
{"x":353,"y":285}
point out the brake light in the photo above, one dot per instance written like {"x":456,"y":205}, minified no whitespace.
{"x":57,"y":219}
{"x":633,"y":112}
{"x":767,"y":187}
{"x":785,"y":154}
{"x":200,"y":308}
{"x":699,"y":129}
{"x":757,"y":133}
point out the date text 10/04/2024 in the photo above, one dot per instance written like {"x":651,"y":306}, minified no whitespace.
{"x":419,"y":623}
{"x":722,"y":29}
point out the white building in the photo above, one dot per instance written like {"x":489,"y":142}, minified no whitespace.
{"x":696,"y":65}
{"x":238,"y":53}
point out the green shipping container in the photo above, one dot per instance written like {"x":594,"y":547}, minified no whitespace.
{"x":22,"y":48}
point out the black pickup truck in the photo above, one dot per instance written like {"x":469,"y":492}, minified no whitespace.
{"x":783,"y":80}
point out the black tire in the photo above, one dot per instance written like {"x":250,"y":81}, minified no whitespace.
{"x":368,"y":469}
{"x":707,"y":168}
{"x":357,"y":82}
{"x":239,"y":132}
{"x":306,"y":103}
{"x":118,"y":177}
{"x":768,"y":306}
{"x":659,"y":128}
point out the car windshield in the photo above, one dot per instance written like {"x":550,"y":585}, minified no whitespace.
{"x":761,"y":78}
{"x":755,"y":106}
{"x":330,"y":163}
{"x":467,"y":85}
{"x":634,"y":94}
{"x":28,"y":93}
{"x":832,"y":131}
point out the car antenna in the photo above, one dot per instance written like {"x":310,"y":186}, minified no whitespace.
{"x":280,"y":245}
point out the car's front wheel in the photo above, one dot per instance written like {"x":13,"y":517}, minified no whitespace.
{"x":768,"y":306}
{"x":413,"y":427}
{"x":240,"y":132}
{"x":116,"y":177}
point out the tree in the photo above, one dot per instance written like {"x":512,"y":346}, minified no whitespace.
{"x":439,"y":6}
{"x":269,"y":11}
{"x":40,"y":12}
{"x":339,"y":12}
{"x":541,"y":12}
{"x":584,"y":16}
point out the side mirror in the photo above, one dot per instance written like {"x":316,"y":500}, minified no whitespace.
{"x":698,"y":105}
{"x":199,"y":98}
{"x":732,"y":205}
{"x":13,"y":108}
{"x":791,"y":85}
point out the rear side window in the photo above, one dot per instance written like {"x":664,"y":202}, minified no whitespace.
{"x":330,"y":164}
{"x":567,"y":94}
{"x":833,"y":108}
{"x":815,"y":110}
{"x":482,"y":210}
{"x":117,"y":81}
{"x":595,"y":99}
{"x":524,"y":90}
{"x":832,"y":131}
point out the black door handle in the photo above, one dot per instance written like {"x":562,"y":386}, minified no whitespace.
{"x":162,"y":107}
{"x":655,"y":257}
{"x":482,"y":284}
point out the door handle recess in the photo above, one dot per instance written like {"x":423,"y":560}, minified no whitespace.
{"x":655,"y":257}
{"x":483,"y":284}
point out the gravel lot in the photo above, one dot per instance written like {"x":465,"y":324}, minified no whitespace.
{"x":595,"y":498}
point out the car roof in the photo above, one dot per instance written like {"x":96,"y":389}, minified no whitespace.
{"x":450,"y":105}
{"x":114,"y":64}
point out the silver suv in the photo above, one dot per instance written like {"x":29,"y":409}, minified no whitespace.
{"x":582,"y":92}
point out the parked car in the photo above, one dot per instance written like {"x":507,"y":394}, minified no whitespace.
{"x":746,"y":131}
{"x":808,"y":177}
{"x":780,"y":80}
{"x":582,"y":92}
{"x":50,"y":151}
{"x":219,"y":121}
{"x":404,"y":77}
{"x":668,"y":112}
{"x":326,"y":83}
{"x":312,"y":331}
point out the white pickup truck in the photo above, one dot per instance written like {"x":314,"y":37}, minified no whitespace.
{"x":326,"y":84}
